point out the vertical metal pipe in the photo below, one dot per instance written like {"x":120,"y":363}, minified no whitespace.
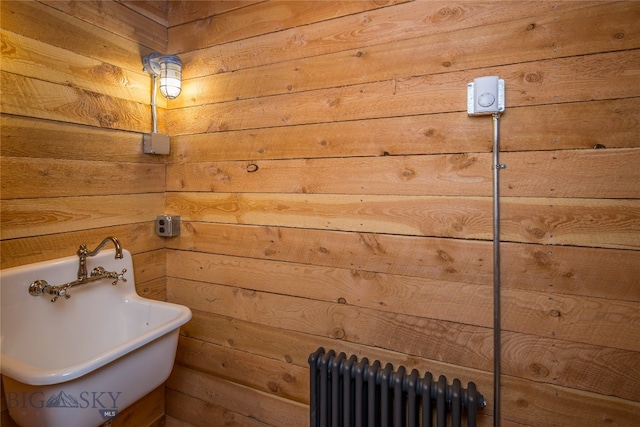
{"x":496,"y":270}
{"x":154,"y":115}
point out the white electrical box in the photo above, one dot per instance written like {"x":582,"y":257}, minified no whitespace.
{"x":485,"y":95}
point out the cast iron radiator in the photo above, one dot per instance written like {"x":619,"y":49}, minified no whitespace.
{"x":345,"y":392}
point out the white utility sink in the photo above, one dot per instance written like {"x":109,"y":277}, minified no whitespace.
{"x":81,"y":360}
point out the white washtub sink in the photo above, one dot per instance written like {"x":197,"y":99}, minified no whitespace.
{"x":78,"y":361}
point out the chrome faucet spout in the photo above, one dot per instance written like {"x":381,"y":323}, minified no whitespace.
{"x":115,"y":241}
{"x":83,"y":253}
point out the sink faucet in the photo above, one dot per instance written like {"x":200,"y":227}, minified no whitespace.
{"x":83,"y":253}
{"x":41,"y":287}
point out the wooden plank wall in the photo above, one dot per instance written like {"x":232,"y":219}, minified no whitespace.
{"x":335,"y":193}
{"x":74,"y":105}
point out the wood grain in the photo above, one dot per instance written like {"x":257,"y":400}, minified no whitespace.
{"x":41,"y":22}
{"x":406,"y":21}
{"x":580,"y":222}
{"x":585,"y":173}
{"x":30,"y":137}
{"x":269,"y":376}
{"x":115,"y":17}
{"x":579,"y":271}
{"x":35,"y":98}
{"x":40,"y":178}
{"x":38,"y":60}
{"x":184,"y":410}
{"x":550,"y":81}
{"x":554,"y":35}
{"x":541,"y":359}
{"x":155,"y":10}
{"x":181,"y":12}
{"x":246,"y":401}
{"x":453,"y":343}
{"x":136,"y":237}
{"x":33,"y":217}
{"x":610,"y":123}
{"x":256,"y":19}
{"x":144,"y":412}
{"x":334,"y":192}
{"x":69,"y":75}
{"x":466,"y":303}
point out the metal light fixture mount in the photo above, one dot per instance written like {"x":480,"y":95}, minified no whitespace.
{"x":169,"y":68}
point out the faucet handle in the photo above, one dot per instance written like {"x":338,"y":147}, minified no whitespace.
{"x":61,"y":293}
{"x":119,"y":277}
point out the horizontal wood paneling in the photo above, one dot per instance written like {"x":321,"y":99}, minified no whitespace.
{"x":117,"y":17}
{"x":611,"y":123}
{"x":66,"y":178}
{"x":271,"y":376}
{"x":393,"y":293}
{"x":29,"y":217}
{"x":150,"y":265}
{"x":453,"y":301}
{"x":552,"y":81}
{"x":41,"y":61}
{"x":31,"y":137}
{"x":324,"y":197}
{"x":74,"y":106}
{"x":580,"y":222}
{"x":544,"y":360}
{"x":155,"y":10}
{"x":256,"y":18}
{"x":137,"y":238}
{"x":555,"y":35}
{"x":181,"y":12}
{"x":405,"y":21}
{"x":22,"y":96}
{"x":575,"y":271}
{"x":148,"y":411}
{"x":199,"y":413}
{"x":245,"y":400}
{"x":585,"y":173}
{"x":40,"y":22}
